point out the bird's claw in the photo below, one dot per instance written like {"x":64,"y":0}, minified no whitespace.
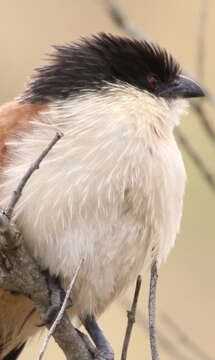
{"x":57,"y":295}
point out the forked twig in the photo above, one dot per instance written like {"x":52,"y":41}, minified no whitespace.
{"x":61,"y":312}
{"x":152,"y":312}
{"x":131,"y":319}
{"x":34,"y":166}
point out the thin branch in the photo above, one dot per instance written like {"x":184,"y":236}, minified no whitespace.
{"x":131,"y":319}
{"x":152,"y":312}
{"x":185,"y":339}
{"x":196,"y":158}
{"x":164,"y":341}
{"x":34,"y":166}
{"x":69,"y":340}
{"x":201,"y":39}
{"x":61,"y":312}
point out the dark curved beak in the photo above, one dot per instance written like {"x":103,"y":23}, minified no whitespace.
{"x":187,"y":88}
{"x":182,"y":87}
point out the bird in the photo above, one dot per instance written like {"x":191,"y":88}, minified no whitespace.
{"x":111,"y":190}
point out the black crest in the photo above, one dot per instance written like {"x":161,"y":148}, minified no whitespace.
{"x":93,"y":61}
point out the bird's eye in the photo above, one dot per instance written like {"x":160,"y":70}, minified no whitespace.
{"x":152,"y":81}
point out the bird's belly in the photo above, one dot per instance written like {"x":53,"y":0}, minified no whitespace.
{"x":113,"y":253}
{"x":118,"y":222}
{"x":115,"y":244}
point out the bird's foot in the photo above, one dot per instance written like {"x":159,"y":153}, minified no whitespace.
{"x":104,"y":350}
{"x":57,"y":295}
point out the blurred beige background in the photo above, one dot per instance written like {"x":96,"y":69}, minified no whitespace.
{"x":186,"y":284}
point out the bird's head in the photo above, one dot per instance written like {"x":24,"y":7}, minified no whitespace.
{"x":104,"y":61}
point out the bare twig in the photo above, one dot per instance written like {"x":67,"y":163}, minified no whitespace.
{"x":194,"y":155}
{"x":164,"y":341}
{"x":34,"y":166}
{"x":61,"y":312}
{"x":185,"y":339}
{"x":201,"y":39}
{"x":131,"y":319}
{"x":152,"y":311}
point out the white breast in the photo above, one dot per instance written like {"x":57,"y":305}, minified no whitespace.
{"x":110,"y":192}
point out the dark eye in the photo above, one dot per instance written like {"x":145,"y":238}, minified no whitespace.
{"x":152,"y":81}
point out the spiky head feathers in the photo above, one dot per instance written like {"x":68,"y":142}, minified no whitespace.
{"x":93,"y":62}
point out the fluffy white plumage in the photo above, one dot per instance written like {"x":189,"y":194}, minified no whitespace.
{"x":110,"y":191}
